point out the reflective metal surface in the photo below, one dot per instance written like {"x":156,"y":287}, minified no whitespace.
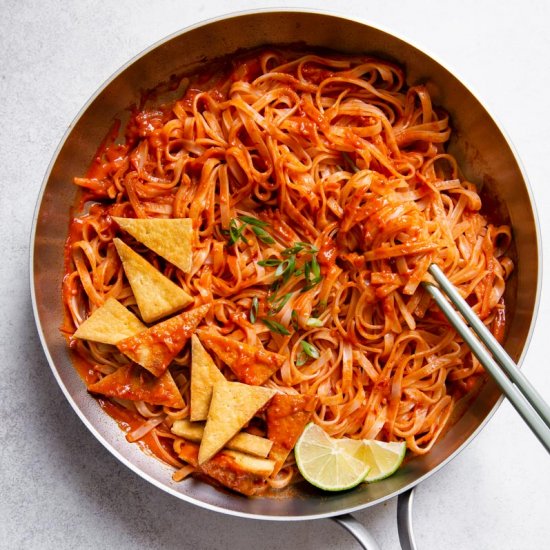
{"x":404,"y":520}
{"x":481,"y":148}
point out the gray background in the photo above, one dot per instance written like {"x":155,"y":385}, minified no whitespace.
{"x":59,"y":487}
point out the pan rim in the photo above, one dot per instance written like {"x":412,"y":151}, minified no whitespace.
{"x":136,"y":469}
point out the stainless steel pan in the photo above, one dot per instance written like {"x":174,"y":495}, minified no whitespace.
{"x":480,"y":146}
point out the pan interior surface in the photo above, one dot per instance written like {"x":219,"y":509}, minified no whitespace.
{"x":478,"y":144}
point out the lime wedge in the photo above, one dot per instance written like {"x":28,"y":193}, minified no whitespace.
{"x":328,"y":463}
{"x":383,"y":458}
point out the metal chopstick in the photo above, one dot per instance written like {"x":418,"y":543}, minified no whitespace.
{"x":519,"y":391}
{"x":500,"y":355}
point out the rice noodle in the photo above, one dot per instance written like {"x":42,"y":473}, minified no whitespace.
{"x":332,"y":154}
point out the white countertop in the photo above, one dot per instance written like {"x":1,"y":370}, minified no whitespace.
{"x":59,"y":487}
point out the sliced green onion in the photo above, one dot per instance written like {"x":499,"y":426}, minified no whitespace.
{"x":312,"y":273}
{"x":310,"y":349}
{"x":283,"y":266}
{"x":235,"y":232}
{"x":314,"y":322}
{"x":274,"y":286}
{"x":294,"y":319}
{"x":254,"y":309}
{"x":270,"y":262}
{"x":263,"y":235}
{"x":316,"y":269}
{"x":253,"y":221}
{"x":278,"y":302}
{"x":299,"y":247}
{"x":286,"y":268}
{"x":273,"y":326}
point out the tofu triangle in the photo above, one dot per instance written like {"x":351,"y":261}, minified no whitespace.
{"x":204,"y":374}
{"x":133,"y":383}
{"x":155,"y":347}
{"x":170,"y":238}
{"x":251,"y":364}
{"x":232,"y":406}
{"x":287,"y":416}
{"x":109,"y":324}
{"x":156,"y":295}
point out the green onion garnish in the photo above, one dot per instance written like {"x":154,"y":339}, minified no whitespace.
{"x":253,"y":314}
{"x":273,"y":326}
{"x":310,"y":349}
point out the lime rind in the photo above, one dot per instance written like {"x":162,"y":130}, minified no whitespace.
{"x":384,"y":458}
{"x":330,"y":465}
{"x":338,"y":464}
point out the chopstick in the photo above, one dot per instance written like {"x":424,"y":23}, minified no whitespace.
{"x":519,"y":391}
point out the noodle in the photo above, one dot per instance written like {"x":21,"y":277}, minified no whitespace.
{"x":344,"y":170}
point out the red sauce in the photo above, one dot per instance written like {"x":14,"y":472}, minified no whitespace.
{"x":247,"y":71}
{"x":223,"y":469}
{"x":127,"y":420}
{"x":189,"y":99}
{"x":307,"y":127}
{"x":327,"y":255}
{"x":315,"y":74}
{"x":155,"y":348}
{"x":286,"y":417}
{"x":133,"y":383}
{"x":250,"y":364}
{"x":499,"y":324}
{"x":84,"y":368}
{"x":109,"y":155}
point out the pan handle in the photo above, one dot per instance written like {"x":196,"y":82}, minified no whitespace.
{"x":358,"y":530}
{"x":404,"y":520}
{"x":404,"y":525}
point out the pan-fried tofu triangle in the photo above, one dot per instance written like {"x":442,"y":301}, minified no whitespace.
{"x":243,"y":442}
{"x":238,"y":471}
{"x":251,"y":364}
{"x":233,"y":405}
{"x":287,"y":416}
{"x":133,"y":383}
{"x":170,"y":238}
{"x":156,"y":295}
{"x":109,"y":324}
{"x":204,"y":374}
{"x":155,"y":347}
